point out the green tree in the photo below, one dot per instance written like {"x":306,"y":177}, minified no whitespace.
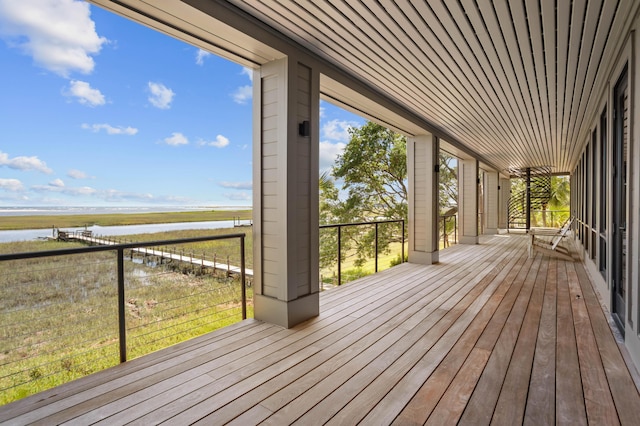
{"x":373,"y":168}
{"x":560,"y":199}
{"x":448,"y":181}
{"x":372,"y":172}
{"x":447,"y":197}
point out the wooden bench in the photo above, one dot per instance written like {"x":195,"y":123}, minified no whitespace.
{"x":550,"y":247}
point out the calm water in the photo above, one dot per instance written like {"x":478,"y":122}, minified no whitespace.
{"x":32,"y":234}
{"x":49,"y":210}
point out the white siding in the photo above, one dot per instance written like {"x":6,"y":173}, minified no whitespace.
{"x":271,"y":236}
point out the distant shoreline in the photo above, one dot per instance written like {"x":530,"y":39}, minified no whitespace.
{"x":82,"y":210}
{"x":44,"y":221}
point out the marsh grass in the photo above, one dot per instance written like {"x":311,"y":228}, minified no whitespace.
{"x":68,"y":221}
{"x":59,"y":314}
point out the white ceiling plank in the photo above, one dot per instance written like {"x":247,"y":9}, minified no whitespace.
{"x":573,"y":57}
{"x":492,"y":85}
{"x":499,"y":20}
{"x":583,"y":86}
{"x":563,"y":21}
{"x":516,"y":81}
{"x":521,"y":26}
{"x":537,"y":44}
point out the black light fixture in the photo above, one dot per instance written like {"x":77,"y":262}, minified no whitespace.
{"x":304,"y":128}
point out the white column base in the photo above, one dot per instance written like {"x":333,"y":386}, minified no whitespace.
{"x":424,"y":258}
{"x":468,"y":240}
{"x":286,"y":314}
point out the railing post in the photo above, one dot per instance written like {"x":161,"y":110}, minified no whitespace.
{"x":122,"y":327}
{"x":243,"y":279}
{"x":376,"y":262}
{"x":402,"y":261}
{"x":455,"y":229}
{"x":339,"y":255}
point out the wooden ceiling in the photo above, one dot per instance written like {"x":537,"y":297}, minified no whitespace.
{"x":516,"y":81}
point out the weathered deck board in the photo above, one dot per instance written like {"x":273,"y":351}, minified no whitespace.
{"x":570,"y":406}
{"x":620,"y":382}
{"x":418,"y":410}
{"x":486,"y":336}
{"x":541,"y":401}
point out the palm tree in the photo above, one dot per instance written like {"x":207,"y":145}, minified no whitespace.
{"x":560,"y":198}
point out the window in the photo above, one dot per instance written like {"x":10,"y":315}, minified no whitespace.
{"x":603,"y":193}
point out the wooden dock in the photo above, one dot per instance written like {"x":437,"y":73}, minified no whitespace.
{"x":215,"y":265}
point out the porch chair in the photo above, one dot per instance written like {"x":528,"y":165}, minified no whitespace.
{"x":550,"y":247}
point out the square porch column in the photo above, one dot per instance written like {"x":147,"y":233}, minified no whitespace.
{"x":504,"y":196}
{"x":468,"y":201}
{"x":422,"y":173}
{"x":491,"y":202}
{"x":285,"y":192}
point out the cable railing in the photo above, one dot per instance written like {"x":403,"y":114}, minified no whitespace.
{"x":448,"y":230}
{"x":70,"y":312}
{"x":347,"y":245}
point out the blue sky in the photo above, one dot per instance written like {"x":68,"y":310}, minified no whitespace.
{"x":97,"y":110}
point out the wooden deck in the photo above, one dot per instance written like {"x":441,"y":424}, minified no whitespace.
{"x":489,"y":335}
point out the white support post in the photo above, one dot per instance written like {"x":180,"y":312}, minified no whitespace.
{"x":285,"y":206}
{"x":503,"y":206}
{"x":422,"y":163}
{"x":468,"y":201}
{"x":491,"y":203}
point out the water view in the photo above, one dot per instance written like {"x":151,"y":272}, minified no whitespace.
{"x":33,"y":234}
{"x":42,"y":233}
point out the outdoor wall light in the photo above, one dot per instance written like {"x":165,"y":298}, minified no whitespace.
{"x":304,"y":128}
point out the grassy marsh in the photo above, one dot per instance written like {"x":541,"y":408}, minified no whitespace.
{"x":69,"y":221}
{"x":59,"y":314}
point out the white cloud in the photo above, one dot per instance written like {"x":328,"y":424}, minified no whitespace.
{"x":219,"y":142}
{"x":200,"y":55}
{"x":77,"y":174}
{"x":115,"y":195}
{"x":56,"y":187}
{"x":111,"y":130}
{"x":161,"y":96}
{"x":58,"y":34}
{"x":24,"y":163}
{"x":248,"y":72}
{"x":111,"y":195}
{"x":236,"y":185}
{"x":238,"y":196}
{"x":13,"y":185}
{"x":58,"y":183}
{"x":242,"y":95}
{"x":337,"y":130}
{"x":85,"y":94}
{"x":176,"y":139}
{"x":328,"y":154}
